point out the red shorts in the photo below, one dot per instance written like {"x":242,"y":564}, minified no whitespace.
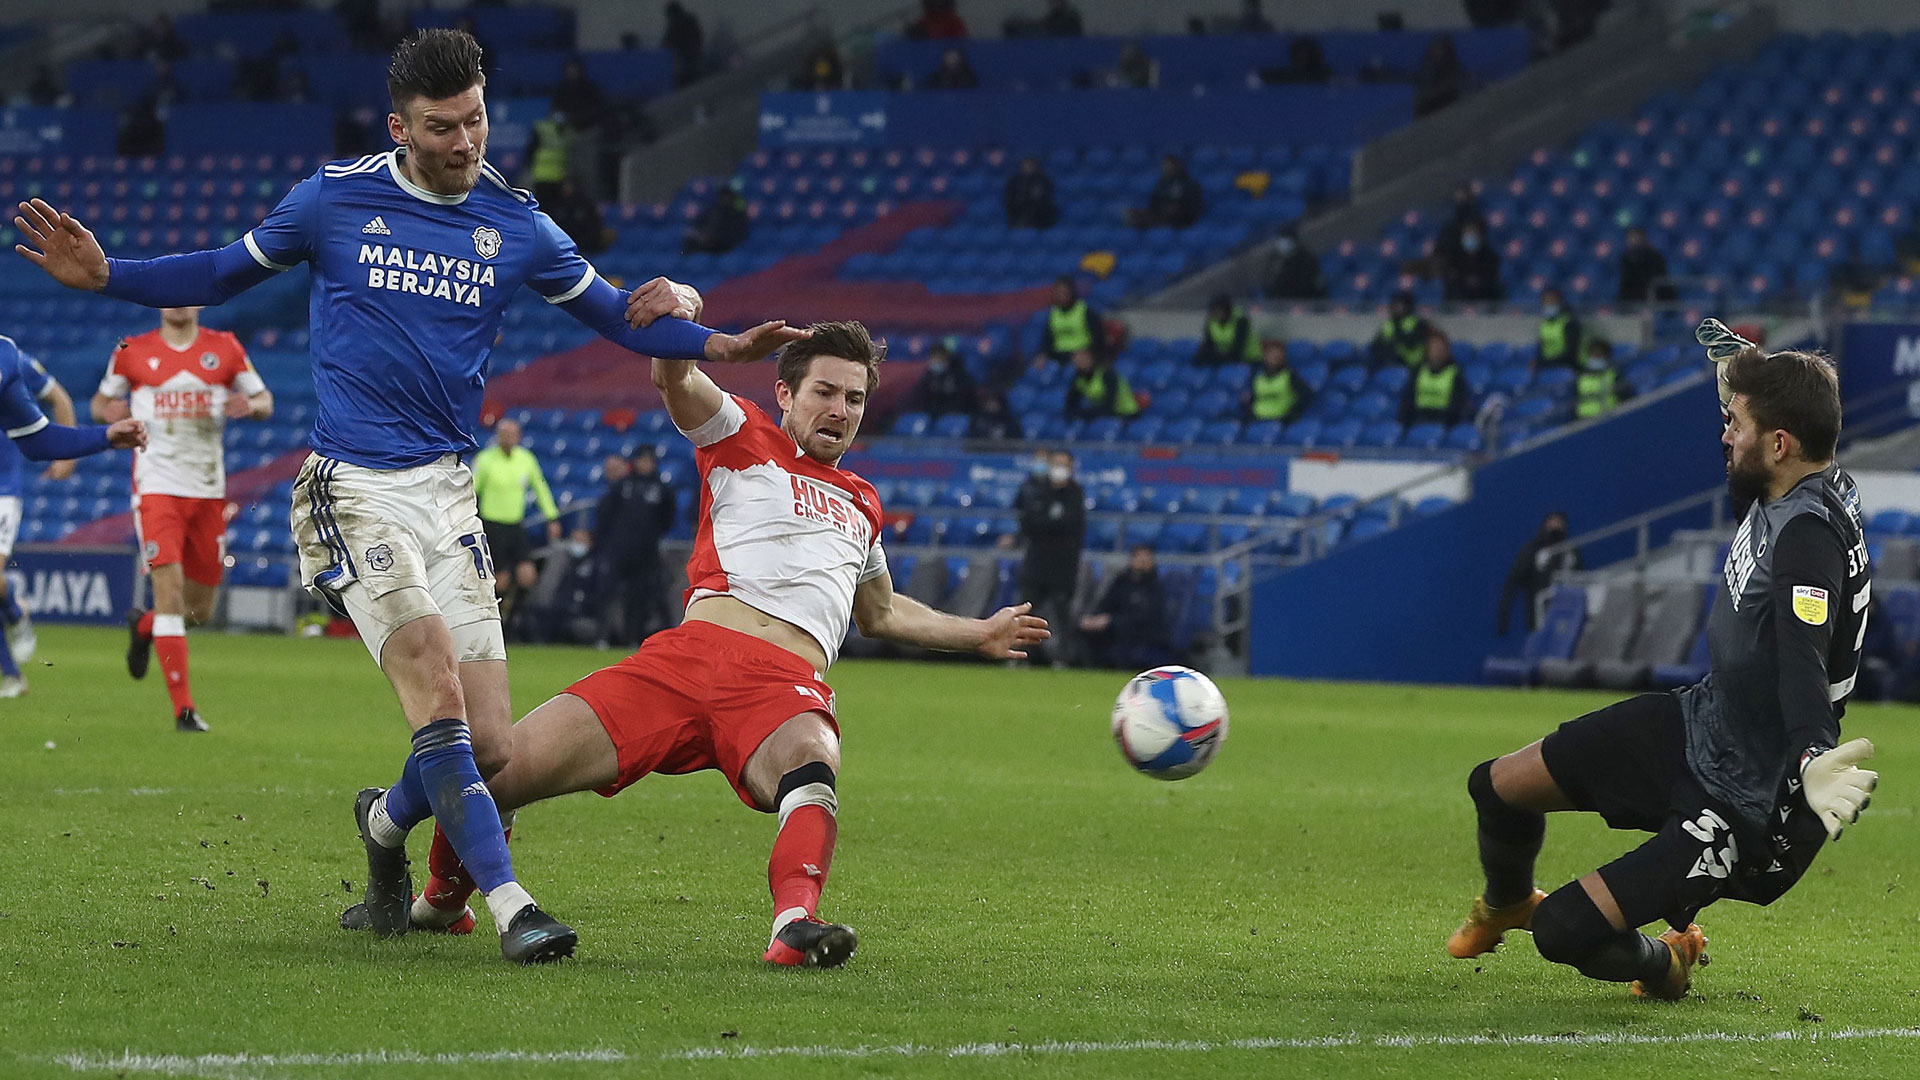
{"x":191,"y":532}
{"x":700,"y":696}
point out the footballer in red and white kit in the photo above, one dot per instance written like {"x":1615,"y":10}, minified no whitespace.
{"x":185,"y":381}
{"x":787,"y":553}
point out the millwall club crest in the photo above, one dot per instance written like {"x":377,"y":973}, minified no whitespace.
{"x":486,"y":241}
{"x":380,"y":557}
{"x":209,"y":361}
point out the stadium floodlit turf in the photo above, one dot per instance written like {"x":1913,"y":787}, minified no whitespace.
{"x":1027,"y":904}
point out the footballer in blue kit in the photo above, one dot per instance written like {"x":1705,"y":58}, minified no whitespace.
{"x":18,"y":645}
{"x":415,"y":254}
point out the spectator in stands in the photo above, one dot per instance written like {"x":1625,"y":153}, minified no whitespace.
{"x":1643,"y":270}
{"x":550,"y":154}
{"x":1562,"y":338}
{"x":1128,"y":628}
{"x":366,"y":30}
{"x":1599,"y":389}
{"x":822,"y":71}
{"x":1097,"y":389}
{"x":1437,"y":393}
{"x":1071,"y":327}
{"x":938,"y":20}
{"x":141,"y":132}
{"x":1053,"y":524}
{"x":1466,"y":211}
{"x":1228,"y":336}
{"x":1061,"y":20}
{"x":1134,"y":70}
{"x":633,"y":516}
{"x":1474,"y":274}
{"x":1441,"y":77}
{"x":954,"y":73}
{"x":1296,"y":271}
{"x":579,"y":217}
{"x":720,"y":226}
{"x":165,"y":90}
{"x":1028,"y":197}
{"x":945,"y":386}
{"x":1175,"y":200}
{"x":160,"y":41}
{"x":685,"y":39}
{"x":45,"y":91}
{"x":1306,"y":65}
{"x":1252,"y":20}
{"x":1533,"y":570}
{"x":578,"y":97}
{"x":1276,"y":391}
{"x":1403,"y":337}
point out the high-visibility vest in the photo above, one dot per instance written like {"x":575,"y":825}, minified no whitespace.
{"x":1433,"y":390}
{"x":1092,"y":386}
{"x":1221,"y":334}
{"x":550,"y":161}
{"x":1071,"y":329}
{"x":1595,"y":393}
{"x":1273,"y":395}
{"x":1400,"y":336}
{"x":1554,"y":346}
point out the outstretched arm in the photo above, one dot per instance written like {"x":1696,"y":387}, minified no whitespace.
{"x":882,"y":613}
{"x":57,"y":243}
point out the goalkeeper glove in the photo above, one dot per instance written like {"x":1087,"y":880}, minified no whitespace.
{"x":1834,"y":787}
{"x":1722,"y":345}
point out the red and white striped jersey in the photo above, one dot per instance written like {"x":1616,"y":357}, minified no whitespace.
{"x":182,"y":394}
{"x":779,"y":531}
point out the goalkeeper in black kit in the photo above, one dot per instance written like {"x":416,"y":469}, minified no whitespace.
{"x":1741,"y":777}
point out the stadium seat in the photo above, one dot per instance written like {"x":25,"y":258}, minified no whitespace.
{"x":1558,"y":633}
{"x":1673,"y":617}
{"x":1608,"y":636}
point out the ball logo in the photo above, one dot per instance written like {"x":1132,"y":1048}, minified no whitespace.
{"x":152,"y":549}
{"x":209,"y":361}
{"x":486,"y":241}
{"x":380,"y":557}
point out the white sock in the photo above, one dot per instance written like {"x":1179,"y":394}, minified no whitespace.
{"x":381,"y":827}
{"x":169,"y":626}
{"x":425,"y":914}
{"x":505,"y":902}
{"x":781,"y":920}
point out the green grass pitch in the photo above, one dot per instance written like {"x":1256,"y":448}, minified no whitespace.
{"x":1027,"y":904}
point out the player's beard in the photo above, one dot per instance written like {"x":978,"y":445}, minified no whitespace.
{"x":1747,"y":479}
{"x":446,"y":176}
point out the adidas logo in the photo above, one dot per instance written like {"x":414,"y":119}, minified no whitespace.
{"x":476,"y":788}
{"x":377,"y":227}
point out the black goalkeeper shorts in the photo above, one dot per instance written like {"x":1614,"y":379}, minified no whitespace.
{"x":1627,"y":763}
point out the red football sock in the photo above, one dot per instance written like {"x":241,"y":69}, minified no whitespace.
{"x":450,"y":886}
{"x":173,"y":661}
{"x":802,"y":855}
{"x":145,"y":626}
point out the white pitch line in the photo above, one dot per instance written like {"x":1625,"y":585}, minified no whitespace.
{"x":197,"y":1065}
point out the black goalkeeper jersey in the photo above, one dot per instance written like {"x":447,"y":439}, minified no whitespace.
{"x":1785,"y":639}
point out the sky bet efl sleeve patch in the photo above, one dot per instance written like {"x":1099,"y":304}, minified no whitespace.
{"x":1810,"y":604}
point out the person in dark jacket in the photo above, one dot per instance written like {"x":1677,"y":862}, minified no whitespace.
{"x":1175,"y":200}
{"x":945,"y":386}
{"x":1295,"y":273}
{"x":1441,"y":77}
{"x":720,"y":226}
{"x":1403,"y":336}
{"x":1474,"y":273}
{"x":1128,"y":629}
{"x":1053,"y":524}
{"x":954,"y":73}
{"x":633,"y":517}
{"x":1532,"y":572}
{"x":1028,"y":197}
{"x":1643,"y":270}
{"x":1437,"y":392}
{"x":1228,"y":337}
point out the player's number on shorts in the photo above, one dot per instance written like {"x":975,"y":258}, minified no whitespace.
{"x":482,"y":558}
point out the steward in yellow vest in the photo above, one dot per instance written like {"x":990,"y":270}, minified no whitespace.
{"x":1228,"y":337}
{"x":1276,"y":391}
{"x":1403,"y":337}
{"x":1437,"y":392}
{"x":1072,"y":326}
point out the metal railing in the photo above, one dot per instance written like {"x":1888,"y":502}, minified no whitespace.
{"x":1642,"y":525}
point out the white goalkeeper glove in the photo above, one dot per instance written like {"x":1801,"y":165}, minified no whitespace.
{"x":1722,"y":345}
{"x":1834,"y":787}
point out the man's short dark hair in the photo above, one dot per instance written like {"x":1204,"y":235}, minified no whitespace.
{"x":433,"y":64}
{"x":1791,"y":391}
{"x":847,"y":340}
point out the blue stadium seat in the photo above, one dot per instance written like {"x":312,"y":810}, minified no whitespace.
{"x":912,"y":425}
{"x":1306,"y":431}
{"x":1381,"y":434}
{"x":1559,"y":631}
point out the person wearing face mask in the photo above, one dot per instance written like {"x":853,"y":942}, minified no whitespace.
{"x":1053,"y":524}
{"x":1533,"y":570}
{"x":1474,"y":273}
{"x":1562,"y":338}
{"x":1403,"y":337}
{"x":945,"y":387}
{"x":1643,"y":270}
{"x":1295,"y":273}
{"x":1599,"y":389}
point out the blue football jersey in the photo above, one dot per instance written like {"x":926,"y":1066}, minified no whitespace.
{"x":409,"y":291}
{"x":22,"y":383}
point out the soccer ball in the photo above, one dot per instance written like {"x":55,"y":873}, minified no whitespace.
{"x":1170,"y":721}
